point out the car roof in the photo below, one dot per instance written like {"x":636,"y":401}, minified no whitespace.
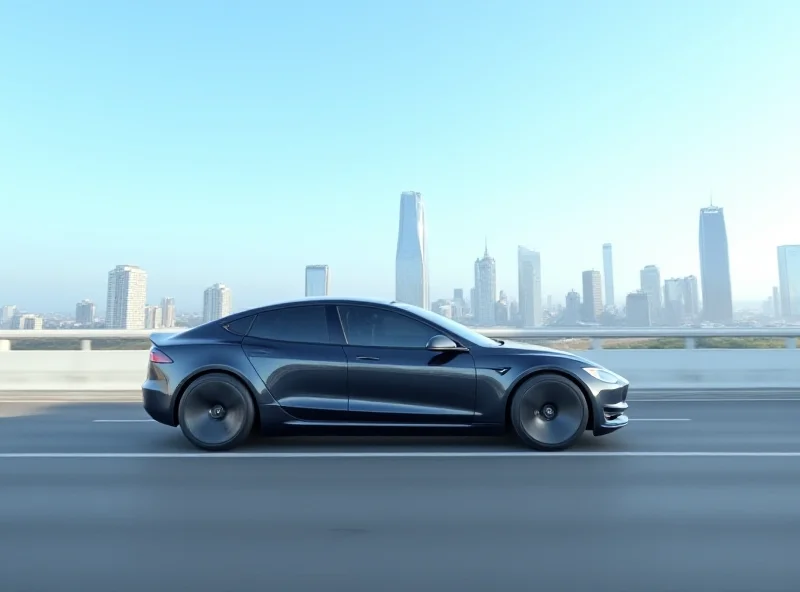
{"x":309,"y":301}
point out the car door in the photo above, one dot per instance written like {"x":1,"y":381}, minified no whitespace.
{"x":393,"y":378}
{"x":303,"y":369}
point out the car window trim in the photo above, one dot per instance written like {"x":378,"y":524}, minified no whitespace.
{"x":299,"y":305}
{"x":401,"y":312}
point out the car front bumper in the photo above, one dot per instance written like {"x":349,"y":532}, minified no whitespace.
{"x":610,"y":408}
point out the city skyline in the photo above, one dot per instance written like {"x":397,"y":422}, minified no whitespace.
{"x":651,"y":281}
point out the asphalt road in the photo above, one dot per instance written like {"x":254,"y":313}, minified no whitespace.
{"x":692,"y":495}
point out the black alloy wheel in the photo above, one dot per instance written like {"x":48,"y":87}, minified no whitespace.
{"x":216,"y":412}
{"x":549,"y":412}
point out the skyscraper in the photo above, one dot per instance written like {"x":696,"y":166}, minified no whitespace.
{"x":168,"y":312}
{"x":715,"y":272}
{"x":789,"y":280}
{"x":483,"y":308}
{"x":529,"y":266}
{"x":411,"y":263}
{"x":650,"y":283}
{"x":592,"y":296}
{"x":126,"y":297}
{"x":608,"y":272}
{"x":317,"y":278}
{"x":217,"y":302}
{"x":84,"y":313}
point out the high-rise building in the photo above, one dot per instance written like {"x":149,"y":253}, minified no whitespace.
{"x":637,"y":309}
{"x":650,"y":283}
{"x":715,"y":272}
{"x":168,"y":312}
{"x":7,"y":313}
{"x":217,"y":302}
{"x":27,"y":322}
{"x":85,"y":313}
{"x":691,"y":297}
{"x":776,"y":302}
{"x":592,"y":296}
{"x":411,"y":262}
{"x":529,"y":266}
{"x":153,"y":317}
{"x":483,"y":308}
{"x":789,"y":280}
{"x":317,"y":278}
{"x":608,"y":272}
{"x":572,"y":308}
{"x":126,"y":297}
{"x":674,"y":305}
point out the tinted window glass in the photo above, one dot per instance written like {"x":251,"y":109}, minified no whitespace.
{"x":307,"y":324}
{"x":240,"y":326}
{"x":367,"y":326}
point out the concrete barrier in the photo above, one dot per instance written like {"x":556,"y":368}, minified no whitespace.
{"x":687,"y":369}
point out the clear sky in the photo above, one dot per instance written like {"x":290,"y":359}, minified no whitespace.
{"x":237,"y":142}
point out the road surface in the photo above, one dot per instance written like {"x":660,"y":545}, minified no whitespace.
{"x":692,"y":495}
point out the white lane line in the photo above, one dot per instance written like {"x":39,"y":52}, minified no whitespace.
{"x":98,"y":401}
{"x":122,"y":420}
{"x":311,"y":455}
{"x":718,"y":400}
{"x":152,"y":420}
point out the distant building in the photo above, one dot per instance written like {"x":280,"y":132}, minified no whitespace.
{"x":529,"y":268}
{"x":789,"y":281}
{"x":27,"y":322}
{"x":572,"y":309}
{"x":317,"y":280}
{"x":168,"y":312}
{"x":153,"y":316}
{"x":485,"y":290}
{"x":650,"y":282}
{"x":217,"y":302}
{"x":715,"y":272}
{"x":411,"y":259}
{"x":637,"y":309}
{"x":126,"y":297}
{"x":592,"y":296}
{"x":85,"y":313}
{"x":608,"y":273}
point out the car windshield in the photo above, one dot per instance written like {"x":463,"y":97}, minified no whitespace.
{"x":450,"y":325}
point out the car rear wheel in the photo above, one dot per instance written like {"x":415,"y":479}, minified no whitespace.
{"x":549,"y":412}
{"x":216,"y":412}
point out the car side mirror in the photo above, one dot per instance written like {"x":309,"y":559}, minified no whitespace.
{"x":442,"y":343}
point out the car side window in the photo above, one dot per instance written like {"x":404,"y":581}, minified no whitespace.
{"x":302,"y":324}
{"x":375,"y":327}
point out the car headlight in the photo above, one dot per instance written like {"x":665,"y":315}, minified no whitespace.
{"x":603,"y":375}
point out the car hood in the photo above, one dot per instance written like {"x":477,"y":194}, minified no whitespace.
{"x":515,"y":347}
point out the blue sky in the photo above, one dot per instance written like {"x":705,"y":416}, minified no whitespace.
{"x":237,"y":142}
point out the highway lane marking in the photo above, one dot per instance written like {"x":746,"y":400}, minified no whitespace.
{"x":659,"y":419}
{"x":718,"y":400}
{"x":152,"y":420}
{"x":364,"y":455}
{"x":122,"y":420}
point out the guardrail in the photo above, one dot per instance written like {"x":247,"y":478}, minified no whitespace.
{"x":679,"y":369}
{"x":597,"y":336}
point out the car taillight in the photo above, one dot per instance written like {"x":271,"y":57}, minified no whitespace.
{"x":159,"y":357}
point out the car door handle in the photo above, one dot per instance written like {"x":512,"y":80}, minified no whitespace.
{"x":367,"y":358}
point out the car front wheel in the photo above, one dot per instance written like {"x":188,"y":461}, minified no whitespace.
{"x":549,"y":412}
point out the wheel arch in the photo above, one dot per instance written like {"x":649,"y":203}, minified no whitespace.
{"x":179,"y":392}
{"x":548,"y":370}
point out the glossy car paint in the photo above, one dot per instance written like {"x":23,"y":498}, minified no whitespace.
{"x":336,"y":384}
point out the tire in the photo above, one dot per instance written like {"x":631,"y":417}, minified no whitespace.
{"x":533,"y":401}
{"x":211,"y":393}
